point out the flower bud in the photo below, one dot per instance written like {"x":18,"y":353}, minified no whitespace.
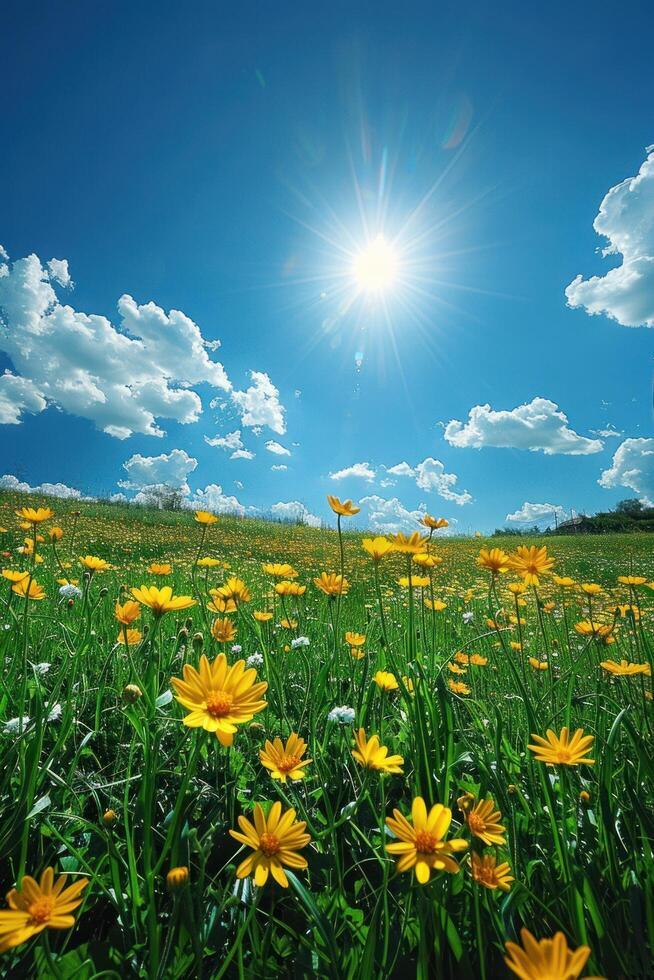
{"x":198,"y":641}
{"x":109,"y":817}
{"x":176,"y":879}
{"x":131,"y":693}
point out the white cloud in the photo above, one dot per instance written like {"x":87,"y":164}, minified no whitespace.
{"x":278,"y":467}
{"x":231,"y":441}
{"x":358,"y":471}
{"x":277,"y":448}
{"x":10,"y":482}
{"x":18,"y":395}
{"x":121,"y":378}
{"x":626,"y":219}
{"x":534,"y":513}
{"x":213,"y":499}
{"x":430,"y":475}
{"x":607,"y":433}
{"x":390,"y":516}
{"x":536,"y":425}
{"x":293,"y":510}
{"x":259,"y":404}
{"x":171,"y":469}
{"x":632,"y":467}
{"x":242,"y":454}
{"x":4,"y":254}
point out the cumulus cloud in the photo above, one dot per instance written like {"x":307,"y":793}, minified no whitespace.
{"x":534,"y":513}
{"x":431,"y":475}
{"x":10,"y":482}
{"x":277,"y":448}
{"x":278,"y":467}
{"x":4,"y":254}
{"x":293,"y":510}
{"x":18,"y":395}
{"x":259,"y":404}
{"x":632,"y":467}
{"x":213,"y":499}
{"x":538,"y":425}
{"x":122,"y":378}
{"x":170,"y":469}
{"x":358,"y":471}
{"x":626,"y":220}
{"x":232,"y":441}
{"x":390,"y":516}
{"x":242,"y":454}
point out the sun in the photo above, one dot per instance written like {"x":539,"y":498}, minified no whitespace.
{"x":376,"y":266}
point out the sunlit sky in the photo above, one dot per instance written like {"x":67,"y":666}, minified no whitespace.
{"x":233,"y":162}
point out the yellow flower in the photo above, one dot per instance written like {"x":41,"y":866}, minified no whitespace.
{"x":628,"y":610}
{"x":128,"y":612}
{"x":436,"y":606}
{"x":484,"y":822}
{"x":345,"y":509}
{"x":385,"y":681}
{"x":625,"y":668}
{"x":34,"y":591}
{"x":162,"y":600}
{"x":561,"y":750}
{"x":455,"y":669}
{"x":279,"y":570}
{"x":494,"y":560}
{"x":434,"y":523}
{"x":371,"y":755}
{"x":531,"y":563}
{"x":207,"y":562}
{"x":458,"y":687}
{"x":285,"y":761}
{"x":355,"y":639}
{"x":517,"y":588}
{"x":332,"y":584}
{"x":35,"y":515}
{"x":478,"y":660}
{"x":160,"y":569}
{"x":38,"y":906}
{"x":632,"y":579}
{"x":275,"y":840}
{"x":539,"y":664}
{"x":133,"y":637}
{"x":549,"y":959}
{"x":262,"y":616}
{"x":177,"y":878}
{"x":67,"y":581}
{"x":413,"y":544}
{"x":288,"y":624}
{"x":414,"y":582}
{"x":220,"y":605}
{"x":235,"y":589}
{"x":218,"y":697}
{"x":205,"y":517}
{"x":423,"y":560}
{"x":590,"y":588}
{"x":376,"y":547}
{"x":600,"y":632}
{"x":461,"y":657}
{"x":223,"y":630}
{"x":93,"y":564}
{"x":56,"y":534}
{"x":290,"y":588}
{"x":12,"y":576}
{"x":487,"y":872}
{"x":421,"y":845}
{"x":564,"y":582}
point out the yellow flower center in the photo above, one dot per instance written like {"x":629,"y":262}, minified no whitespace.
{"x":269,"y":844}
{"x":426,"y":843}
{"x":563,"y":755}
{"x":41,"y":910}
{"x":288,"y":762}
{"x":219,"y":704}
{"x":476,"y":824}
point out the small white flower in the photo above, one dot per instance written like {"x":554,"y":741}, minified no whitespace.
{"x":70,"y":592}
{"x":55,"y":713}
{"x":342,"y":715}
{"x":41,"y":669}
{"x":236,"y":648}
{"x":468,"y":617}
{"x":300,"y":641}
{"x":254,"y":660}
{"x":13,"y":726}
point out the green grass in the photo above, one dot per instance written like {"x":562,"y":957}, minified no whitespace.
{"x":584,"y":868}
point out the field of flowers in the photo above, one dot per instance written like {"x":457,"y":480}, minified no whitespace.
{"x":233,"y":748}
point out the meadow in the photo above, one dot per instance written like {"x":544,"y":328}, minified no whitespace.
{"x":266,"y":750}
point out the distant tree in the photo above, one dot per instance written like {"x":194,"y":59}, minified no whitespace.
{"x":631,"y":506}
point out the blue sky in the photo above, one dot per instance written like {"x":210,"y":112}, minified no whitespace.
{"x":231,"y":164}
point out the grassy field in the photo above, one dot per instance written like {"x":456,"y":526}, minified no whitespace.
{"x":454,"y":672}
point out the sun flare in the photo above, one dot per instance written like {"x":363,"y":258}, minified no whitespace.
{"x":376,"y":266}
